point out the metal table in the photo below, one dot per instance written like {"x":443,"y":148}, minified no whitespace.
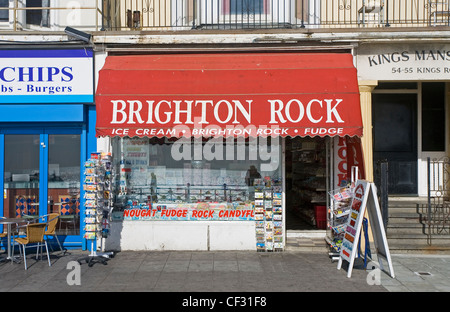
{"x":9,"y":222}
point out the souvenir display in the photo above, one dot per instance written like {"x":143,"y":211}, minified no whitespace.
{"x":339,"y":211}
{"x":268,"y":216}
{"x":98,"y":204}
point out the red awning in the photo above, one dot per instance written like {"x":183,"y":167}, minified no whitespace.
{"x":239,"y":94}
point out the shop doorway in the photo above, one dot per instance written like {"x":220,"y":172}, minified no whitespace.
{"x":41,"y":175}
{"x":395,"y":140}
{"x":306,"y":183}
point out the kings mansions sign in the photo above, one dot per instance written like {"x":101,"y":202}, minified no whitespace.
{"x":403,"y":62}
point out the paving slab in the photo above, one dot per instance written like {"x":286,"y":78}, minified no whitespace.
{"x":224,"y":271}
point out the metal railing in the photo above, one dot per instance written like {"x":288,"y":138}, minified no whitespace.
{"x":436,"y":213}
{"x":263,"y":14}
{"x":382,"y":182}
{"x":17,"y":15}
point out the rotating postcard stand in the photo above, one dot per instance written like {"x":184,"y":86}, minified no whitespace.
{"x":94,"y":256}
{"x":97,"y":187}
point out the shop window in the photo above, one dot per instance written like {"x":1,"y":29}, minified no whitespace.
{"x":196,"y":171}
{"x":433,"y":117}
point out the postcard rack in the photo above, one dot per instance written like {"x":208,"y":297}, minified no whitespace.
{"x":98,"y":205}
{"x":339,"y":211}
{"x":269,"y":218}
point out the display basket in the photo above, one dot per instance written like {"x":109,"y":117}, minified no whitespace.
{"x":342,"y":211}
{"x":338,"y":221}
{"x":336,"y":245}
{"x":339,"y":229}
{"x":341,"y":194}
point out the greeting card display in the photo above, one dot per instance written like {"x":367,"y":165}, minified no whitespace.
{"x":97,"y":203}
{"x":339,"y":211}
{"x":268,"y":216}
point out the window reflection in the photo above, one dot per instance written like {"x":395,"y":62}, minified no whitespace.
{"x":64,"y":181}
{"x":21,"y":175}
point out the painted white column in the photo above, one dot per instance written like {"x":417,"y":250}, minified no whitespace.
{"x":365,"y":88}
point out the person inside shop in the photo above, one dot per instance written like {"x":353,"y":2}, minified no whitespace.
{"x":252,"y":174}
{"x":153,"y":185}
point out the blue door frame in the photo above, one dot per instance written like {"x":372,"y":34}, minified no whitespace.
{"x":86,"y":129}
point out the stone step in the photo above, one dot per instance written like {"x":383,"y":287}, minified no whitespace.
{"x":308,"y":244}
{"x":398,"y":205}
{"x":407,"y":200}
{"x":404,"y":223}
{"x":419,"y":238}
{"x":396,"y":213}
{"x":406,"y":228}
{"x":399,"y":230}
{"x":419,"y":249}
{"x":407,"y":210}
{"x":403,"y":218}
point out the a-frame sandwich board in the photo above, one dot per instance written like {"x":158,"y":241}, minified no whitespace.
{"x":364,"y":198}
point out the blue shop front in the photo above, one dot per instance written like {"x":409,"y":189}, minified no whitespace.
{"x":47,"y":131}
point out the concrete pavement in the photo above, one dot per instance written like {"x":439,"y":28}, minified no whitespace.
{"x":221,"y":271}
{"x":419,"y":273}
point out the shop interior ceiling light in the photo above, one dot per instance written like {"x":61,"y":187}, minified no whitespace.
{"x":76,"y":34}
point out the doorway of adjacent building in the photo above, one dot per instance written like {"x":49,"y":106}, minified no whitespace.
{"x":410,"y":123}
{"x":395,"y":139}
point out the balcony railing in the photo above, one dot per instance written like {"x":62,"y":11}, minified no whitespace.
{"x":119,"y":15}
{"x":18,"y":15}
